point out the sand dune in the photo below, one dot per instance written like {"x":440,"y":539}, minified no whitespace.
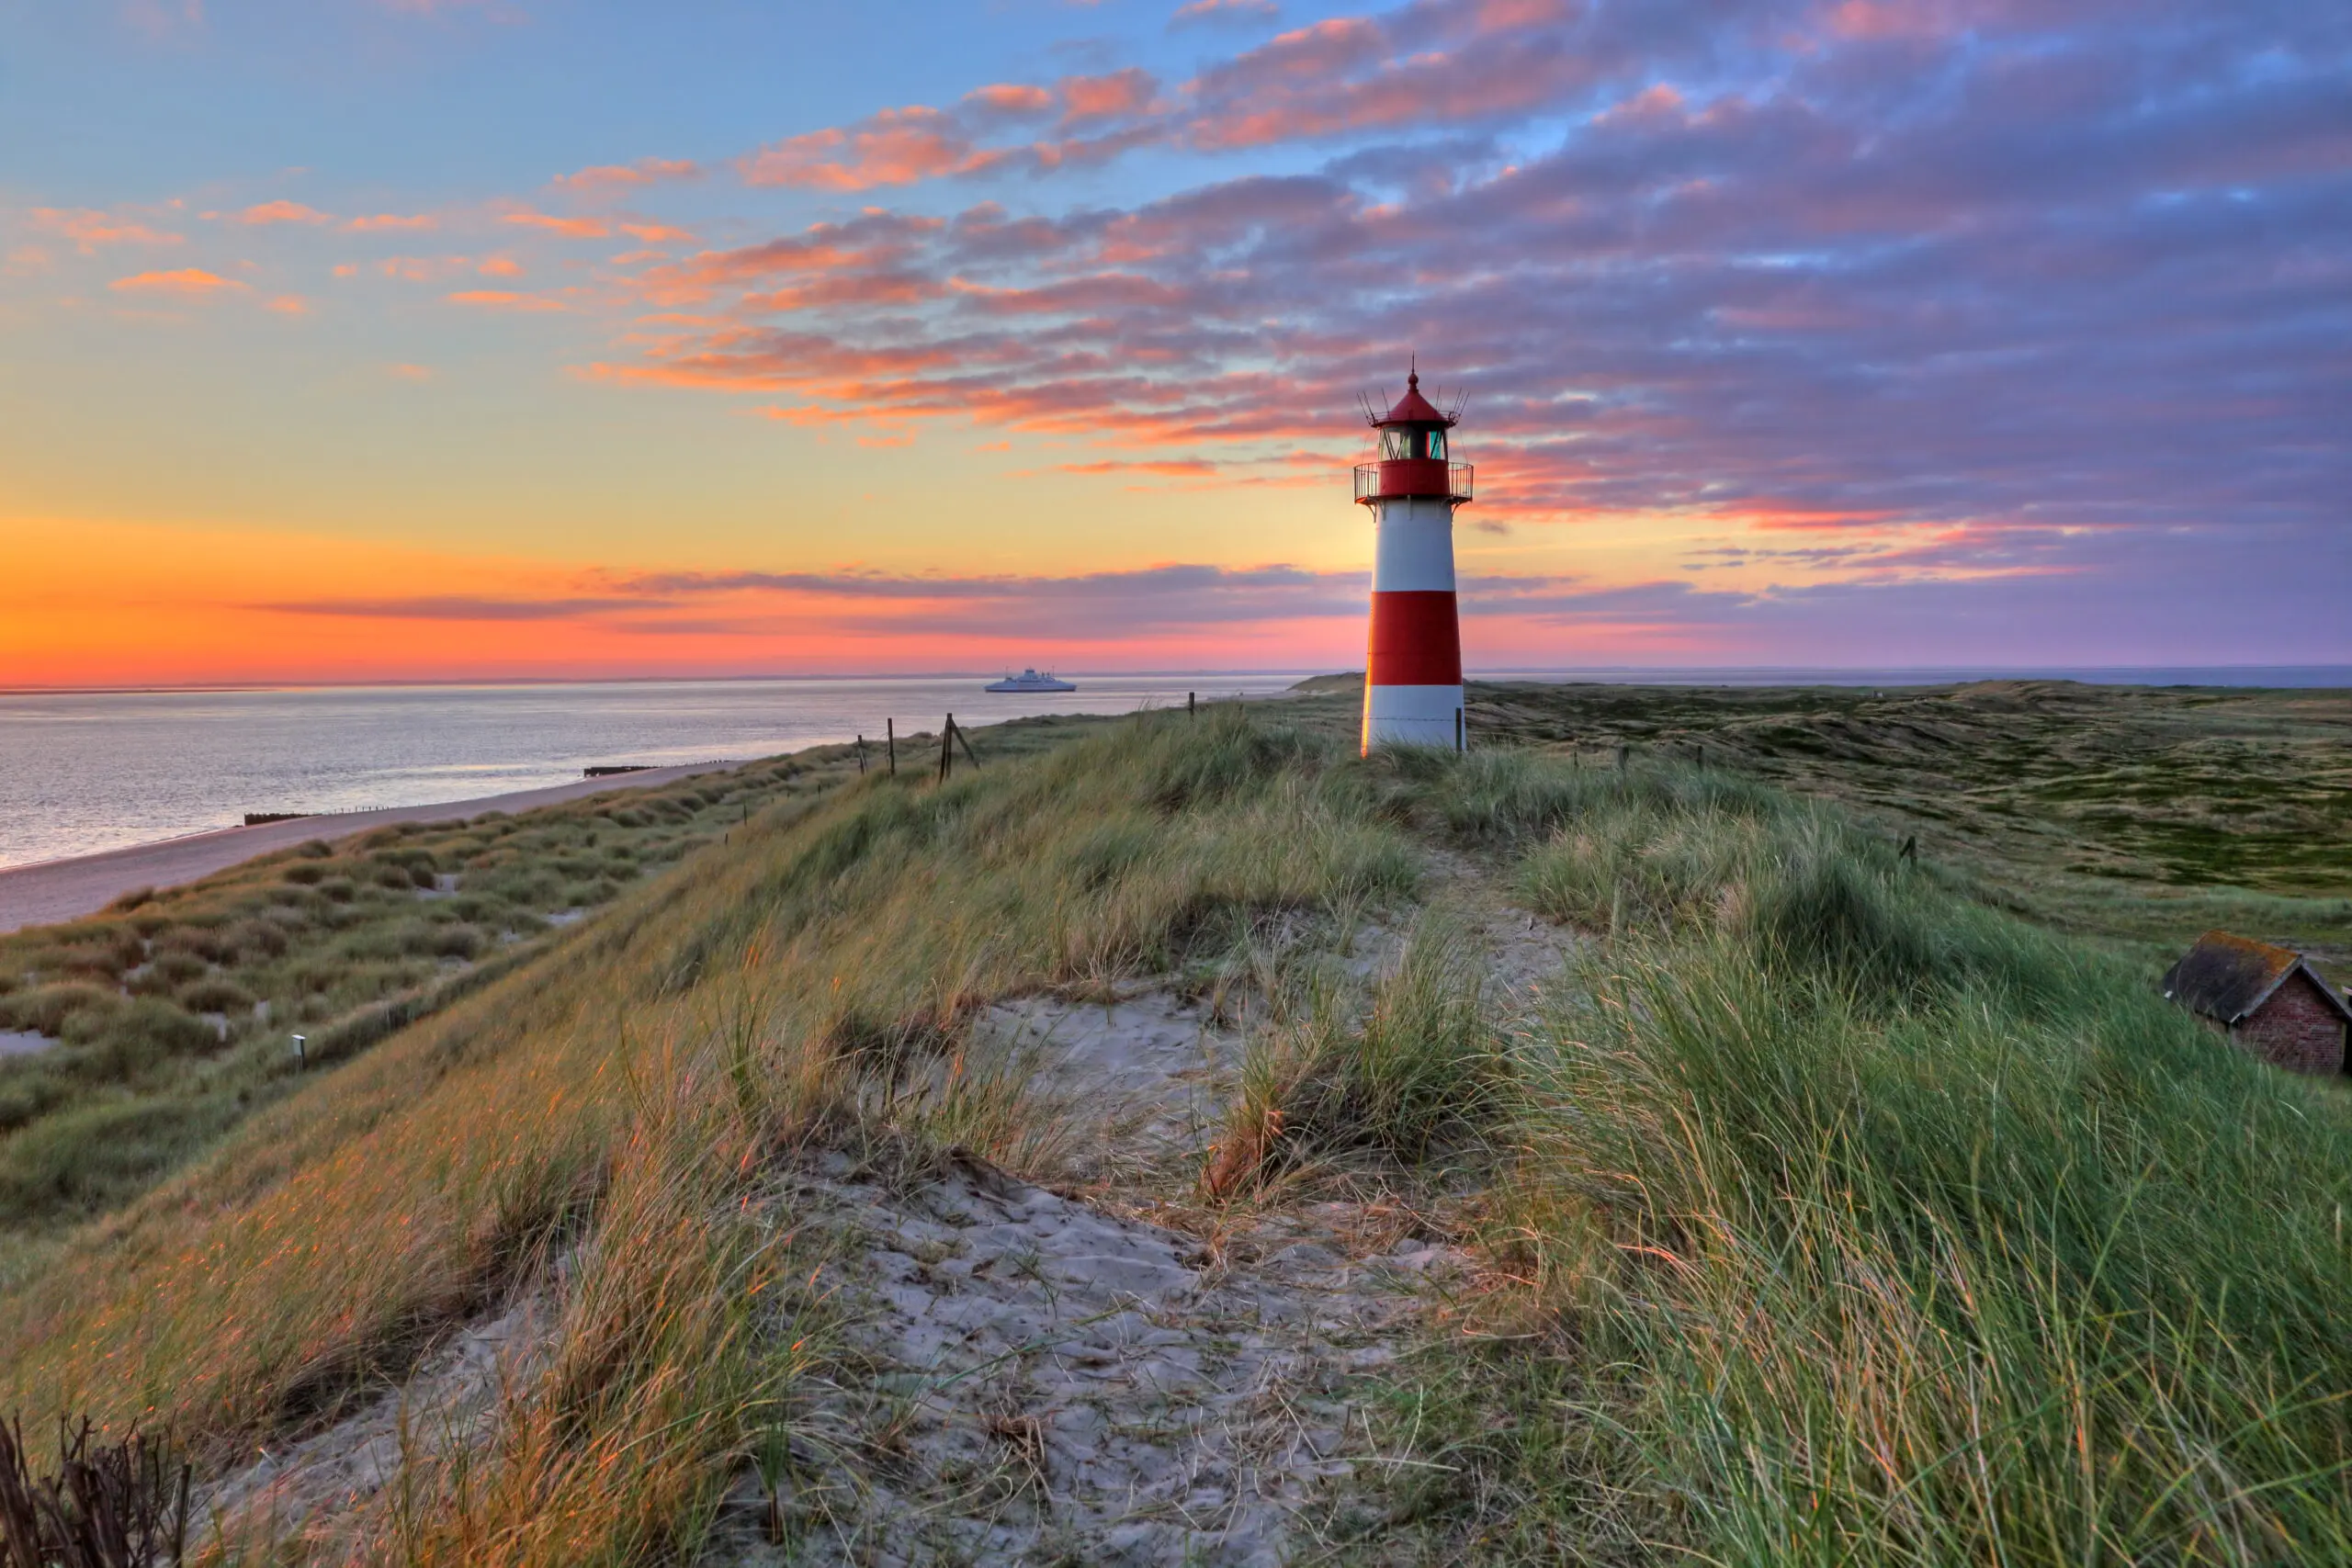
{"x":67,"y":889}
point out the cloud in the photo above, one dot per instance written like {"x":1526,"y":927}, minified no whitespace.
{"x":656,"y":233}
{"x":895,"y":147}
{"x":289,"y":305}
{"x":91,"y":230}
{"x":1200,"y":11}
{"x":1990,"y":303}
{"x":267,"y":212}
{"x":630,"y":176}
{"x":406,"y":372}
{"x":569,"y":228}
{"x":185,"y":283}
{"x":449,"y":607}
{"x":385,"y":222}
{"x":504,"y":299}
{"x":854,"y":600}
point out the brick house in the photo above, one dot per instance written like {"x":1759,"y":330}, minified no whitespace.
{"x":2268,"y":999}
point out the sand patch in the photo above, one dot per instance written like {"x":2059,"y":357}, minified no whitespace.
{"x":315,"y":1488}
{"x":23,"y":1042}
{"x":1051,"y":1383}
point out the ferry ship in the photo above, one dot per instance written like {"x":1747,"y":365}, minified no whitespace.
{"x":1029,"y":681}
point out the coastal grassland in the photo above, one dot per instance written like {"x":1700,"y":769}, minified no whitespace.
{"x":2138,"y":815}
{"x":173,"y":1011}
{"x":1848,"y":1220}
{"x":600,"y":1128}
{"x":1828,"y":1212}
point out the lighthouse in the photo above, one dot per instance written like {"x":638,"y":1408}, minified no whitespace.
{"x":1412,"y":686}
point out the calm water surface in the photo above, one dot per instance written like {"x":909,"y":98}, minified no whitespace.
{"x":82,"y":771}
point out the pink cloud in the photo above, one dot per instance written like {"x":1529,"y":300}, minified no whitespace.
{"x":91,"y":230}
{"x":623,"y":176}
{"x":895,"y":147}
{"x":656,"y":233}
{"x":1225,"y":11}
{"x":499,"y":266}
{"x":1119,"y":92}
{"x":569,"y":228}
{"x":383,"y":222}
{"x":423,"y":269}
{"x":503,"y":300}
{"x":1011,"y":98}
{"x":291,"y":305}
{"x":267,"y":212}
{"x":186,"y":283}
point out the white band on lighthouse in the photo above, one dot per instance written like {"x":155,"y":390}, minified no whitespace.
{"x":1415,"y":548}
{"x":1413,"y":716}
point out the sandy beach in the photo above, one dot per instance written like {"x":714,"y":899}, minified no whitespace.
{"x":67,"y":889}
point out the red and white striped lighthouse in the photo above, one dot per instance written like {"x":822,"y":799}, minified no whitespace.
{"x":1412,"y":686}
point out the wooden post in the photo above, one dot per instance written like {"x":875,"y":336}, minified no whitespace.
{"x":1620,"y":757}
{"x":946,"y":748}
{"x":890,"y":739}
{"x":965,"y":741}
{"x":861,"y":756}
{"x":1193,"y":704}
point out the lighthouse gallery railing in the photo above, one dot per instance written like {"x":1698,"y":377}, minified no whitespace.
{"x":1401,"y":478}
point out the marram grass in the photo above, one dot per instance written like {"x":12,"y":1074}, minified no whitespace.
{"x":1837,"y":1219}
{"x":603,"y":1128}
{"x":1882,"y":1229}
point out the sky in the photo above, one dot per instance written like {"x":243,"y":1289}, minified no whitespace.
{"x":454,"y":339}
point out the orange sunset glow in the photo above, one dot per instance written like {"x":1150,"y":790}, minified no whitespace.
{"x":404,"y":354}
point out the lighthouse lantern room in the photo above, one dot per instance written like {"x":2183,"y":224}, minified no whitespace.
{"x":1412,"y":689}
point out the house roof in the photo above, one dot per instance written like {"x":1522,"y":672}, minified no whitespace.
{"x":2226,"y":978}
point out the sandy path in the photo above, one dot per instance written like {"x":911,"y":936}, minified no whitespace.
{"x":67,"y":889}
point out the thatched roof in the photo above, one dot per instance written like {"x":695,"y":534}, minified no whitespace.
{"x":2225,"y":978}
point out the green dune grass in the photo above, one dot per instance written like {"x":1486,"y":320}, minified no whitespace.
{"x":1832,"y":1215}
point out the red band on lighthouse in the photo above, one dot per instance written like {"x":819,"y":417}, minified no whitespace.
{"x":1416,"y":640}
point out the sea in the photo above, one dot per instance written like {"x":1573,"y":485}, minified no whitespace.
{"x":82,"y":771}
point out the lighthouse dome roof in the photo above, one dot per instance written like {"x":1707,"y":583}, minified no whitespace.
{"x":1413,"y":408}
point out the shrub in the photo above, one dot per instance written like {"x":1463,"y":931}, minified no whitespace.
{"x":203,"y":943}
{"x":256,"y":938}
{"x":47,"y":1009}
{"x":91,"y":1158}
{"x":305,"y":873}
{"x":217,"y":994}
{"x":339,"y":889}
{"x":459,"y":941}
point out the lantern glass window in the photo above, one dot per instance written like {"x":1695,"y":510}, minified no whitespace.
{"x":1399,"y":441}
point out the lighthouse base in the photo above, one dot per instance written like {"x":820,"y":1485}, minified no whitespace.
{"x":1413,"y":716}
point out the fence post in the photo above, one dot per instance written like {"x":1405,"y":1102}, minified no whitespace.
{"x":946,"y":748}
{"x":861,"y":756}
{"x":964,"y":740}
{"x":1193,"y":704}
{"x":890,"y":739}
